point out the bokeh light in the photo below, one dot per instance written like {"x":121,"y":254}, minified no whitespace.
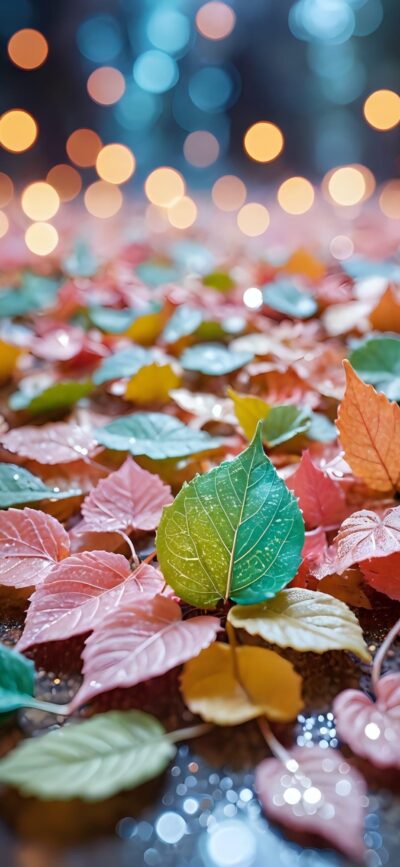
{"x":4,"y":224}
{"x":18,"y":130}
{"x":382,"y":109}
{"x":82,"y":147}
{"x":347,"y":186}
{"x":168,"y":30}
{"x":263,"y":141}
{"x":296,"y":195}
{"x":106,"y":85}
{"x":229,"y":193}
{"x":28,"y":48}
{"x":99,"y":38}
{"x":341,"y":247}
{"x":164,"y":186}
{"x":6,"y":190}
{"x":41,"y":238}
{"x":182,"y":213}
{"x":389,"y":200}
{"x":40,"y":201}
{"x":215,"y":20}
{"x":253,"y":219}
{"x":103,"y":200}
{"x":115,"y":163}
{"x":201,"y":148}
{"x":66,"y":180}
{"x":137,"y":109}
{"x":155,"y":71}
{"x":253,"y":298}
{"x":211,"y":88}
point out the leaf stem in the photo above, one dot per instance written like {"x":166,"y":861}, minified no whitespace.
{"x":190,"y":732}
{"x":149,"y":558}
{"x":47,"y":706}
{"x":134,"y":558}
{"x":381,"y":654}
{"x":277,"y":749}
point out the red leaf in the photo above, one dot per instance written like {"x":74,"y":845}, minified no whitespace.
{"x":31,"y":542}
{"x":80,"y":592}
{"x":314,"y":550}
{"x":317,"y":792}
{"x":383,"y":574}
{"x":362,"y":536}
{"x":143,"y":641}
{"x":372,"y":729}
{"x":129,"y":499}
{"x":320,"y":499}
{"x":53,"y":443}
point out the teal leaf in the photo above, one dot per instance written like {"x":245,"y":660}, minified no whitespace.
{"x":235,"y":532}
{"x":58,"y":396}
{"x":81,"y":262}
{"x":377,"y":362}
{"x":122,"y":364}
{"x":360,"y":268}
{"x":285,"y":297}
{"x":214,"y":359}
{"x":155,"y":434}
{"x":185,"y":320}
{"x":34,"y":293}
{"x":285,"y":421}
{"x":321,"y":429}
{"x":114,"y":321}
{"x":17,"y":680}
{"x":93,"y":760}
{"x":156,"y":273}
{"x":18,"y":487}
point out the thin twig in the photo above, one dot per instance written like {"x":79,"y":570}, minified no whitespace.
{"x":277,"y":749}
{"x":190,"y":732}
{"x":381,"y":654}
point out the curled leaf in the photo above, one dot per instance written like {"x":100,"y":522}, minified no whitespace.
{"x":19,"y":486}
{"x":372,"y":729}
{"x":362,"y":536}
{"x":53,"y":443}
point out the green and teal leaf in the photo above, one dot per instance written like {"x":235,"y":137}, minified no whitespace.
{"x":56,"y":397}
{"x":18,"y":487}
{"x":214,"y":359}
{"x":155,"y":273}
{"x":155,"y":434}
{"x":285,"y":421}
{"x":123,"y":364}
{"x":17,"y":680}
{"x":377,"y":362}
{"x":184,"y":321}
{"x":81,"y":262}
{"x":285,"y":297}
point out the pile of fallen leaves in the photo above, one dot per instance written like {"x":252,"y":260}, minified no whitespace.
{"x":200,"y":459}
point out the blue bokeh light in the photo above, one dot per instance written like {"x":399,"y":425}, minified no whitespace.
{"x":212,"y":88}
{"x":169,"y":30}
{"x":155,"y":71}
{"x":137,"y":109}
{"x":99,"y":38}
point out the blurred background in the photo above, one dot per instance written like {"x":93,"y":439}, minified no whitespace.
{"x":273,"y":95}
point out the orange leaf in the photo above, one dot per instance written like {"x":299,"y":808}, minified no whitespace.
{"x":369,"y":429}
{"x":386,"y":315}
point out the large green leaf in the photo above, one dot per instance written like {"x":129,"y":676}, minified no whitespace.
{"x":156,"y":435}
{"x":93,"y":760}
{"x":122,"y":364}
{"x":236,"y":532}
{"x":214,"y":359}
{"x":58,"y":396}
{"x":285,"y":297}
{"x":19,"y":486}
{"x":284,"y":422}
{"x":377,"y":362}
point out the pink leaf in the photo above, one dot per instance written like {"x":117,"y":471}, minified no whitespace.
{"x":314,"y":550}
{"x":320,"y":499}
{"x":318,"y":792}
{"x":362,"y":536}
{"x":129,"y":499}
{"x":53,"y":443}
{"x":141,"y":641}
{"x":372,"y":729}
{"x":80,"y":592}
{"x":383,"y":574}
{"x":31,"y":543}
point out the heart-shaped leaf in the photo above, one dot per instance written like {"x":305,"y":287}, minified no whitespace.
{"x":303,"y":619}
{"x":122,"y":364}
{"x":320,"y":498}
{"x":58,"y":396}
{"x":53,"y":443}
{"x":228,"y":687}
{"x":155,"y":434}
{"x":31,"y":542}
{"x":19,"y":486}
{"x":372,"y":729}
{"x":139,"y":641}
{"x":377,"y":362}
{"x":362,"y":536}
{"x":214,"y":359}
{"x":315,"y":791}
{"x":235,"y":532}
{"x":152,"y":383}
{"x":129,"y":499}
{"x":94,"y":760}
{"x":285,"y":297}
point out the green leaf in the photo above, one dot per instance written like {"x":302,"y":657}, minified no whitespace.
{"x":214,"y":359}
{"x":285,"y":297}
{"x":57,"y":396}
{"x":285,"y":421}
{"x":92,"y":760}
{"x":34,"y":293}
{"x":155,"y":434}
{"x":17,"y":680}
{"x":18,"y":486}
{"x":184,"y":321}
{"x":305,"y":620}
{"x":236,"y":532}
{"x":219,"y":280}
{"x":123,"y":364}
{"x":377,"y":362}
{"x":113,"y":321}
{"x":81,"y":262}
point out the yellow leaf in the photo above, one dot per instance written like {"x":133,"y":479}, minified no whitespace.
{"x":147,"y":328}
{"x":369,"y":430}
{"x":303,"y":262}
{"x":249,"y":411}
{"x":152,"y":384}
{"x":8,"y":359}
{"x":211,"y":688}
{"x":305,"y":620}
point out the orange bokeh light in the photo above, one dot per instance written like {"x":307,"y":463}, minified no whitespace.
{"x":253,"y":219}
{"x":6,"y":190}
{"x":296,"y":195}
{"x":103,"y":200}
{"x":18,"y":130}
{"x":4,"y":224}
{"x":65,"y":180}
{"x":41,"y":238}
{"x":382,"y":109}
{"x":40,"y":201}
{"x":389,"y":200}
{"x":215,"y":20}
{"x":164,"y":186}
{"x":115,"y":163}
{"x":183,"y":213}
{"x":106,"y":85}
{"x":263,"y":141}
{"x":82,"y":146}
{"x":201,"y":148}
{"x":28,"y":48}
{"x":229,"y":193}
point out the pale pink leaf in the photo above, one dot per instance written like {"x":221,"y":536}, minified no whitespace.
{"x":383,"y":574}
{"x":321,"y":500}
{"x":128,"y":499}
{"x":372,"y":729}
{"x":362,"y":536}
{"x":315,"y":792}
{"x":80,"y":592}
{"x":53,"y":443}
{"x":141,"y":641}
{"x":31,"y":543}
